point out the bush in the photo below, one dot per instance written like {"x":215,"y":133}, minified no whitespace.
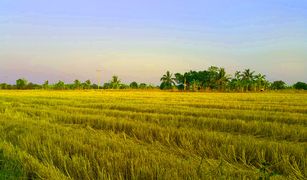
{"x":300,"y":85}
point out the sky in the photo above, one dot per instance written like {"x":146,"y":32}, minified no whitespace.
{"x":139,"y":40}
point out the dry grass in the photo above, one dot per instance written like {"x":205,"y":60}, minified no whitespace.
{"x":152,"y":135}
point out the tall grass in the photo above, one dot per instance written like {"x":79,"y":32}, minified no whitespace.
{"x":152,"y":135}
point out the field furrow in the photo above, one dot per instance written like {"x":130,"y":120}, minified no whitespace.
{"x":153,"y":135}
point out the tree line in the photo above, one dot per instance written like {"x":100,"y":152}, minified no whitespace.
{"x":216,"y":79}
{"x":114,"y":83}
{"x":212,"y":79}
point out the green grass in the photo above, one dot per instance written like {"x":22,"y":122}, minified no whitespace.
{"x":152,"y":135}
{"x":9,"y":169}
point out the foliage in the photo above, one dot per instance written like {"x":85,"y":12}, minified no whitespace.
{"x":87,"y":84}
{"x":276,"y":85}
{"x":134,"y":85}
{"x":77,"y":84}
{"x":167,"y":81}
{"x":215,"y":78}
{"x":59,"y":85}
{"x":300,"y":85}
{"x":115,"y":83}
{"x":21,"y":83}
{"x":212,"y":79}
{"x":46,"y":85}
{"x":143,"y":86}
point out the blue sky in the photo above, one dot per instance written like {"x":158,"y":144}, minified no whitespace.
{"x":140,"y":40}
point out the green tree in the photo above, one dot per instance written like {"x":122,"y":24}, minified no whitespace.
{"x":238,"y":85}
{"x":46,"y":84}
{"x":115,"y":82}
{"x":33,"y":86}
{"x":4,"y":86}
{"x":134,"y":85}
{"x":222,"y":79}
{"x":123,"y":86}
{"x":21,"y":83}
{"x":204,"y":78}
{"x":276,"y":85}
{"x":167,"y":81}
{"x":143,"y":86}
{"x":300,"y":85}
{"x":77,"y":84}
{"x":59,"y":85}
{"x":106,"y":86}
{"x":248,"y":79}
{"x":212,"y":77}
{"x":87,"y":84}
{"x":181,"y":80}
{"x":94,"y":86}
{"x":195,"y":85}
{"x":194,"y":80}
{"x":260,"y":81}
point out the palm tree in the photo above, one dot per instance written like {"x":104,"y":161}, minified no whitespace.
{"x":167,"y":80}
{"x":248,"y":74}
{"x":260,"y":81}
{"x":77,"y":84}
{"x":238,"y":81}
{"x":222,"y":78}
{"x":248,"y":78}
{"x":115,"y":82}
{"x":180,"y":80}
{"x":212,"y":77}
{"x":238,"y":75}
{"x":87,"y":84}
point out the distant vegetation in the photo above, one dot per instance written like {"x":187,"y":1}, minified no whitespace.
{"x":215,"y":78}
{"x":115,"y":83}
{"x":212,"y":79}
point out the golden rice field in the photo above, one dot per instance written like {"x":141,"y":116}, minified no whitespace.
{"x":152,"y":135}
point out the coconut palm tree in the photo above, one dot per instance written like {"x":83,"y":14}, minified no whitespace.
{"x":167,"y":80}
{"x":238,"y":75}
{"x":248,"y":79}
{"x":260,"y":81}
{"x":248,"y":74}
{"x":222,"y":79}
{"x":238,"y":85}
{"x":115,"y":82}
{"x":212,"y":77}
{"x":87,"y":84}
{"x":77,"y":84}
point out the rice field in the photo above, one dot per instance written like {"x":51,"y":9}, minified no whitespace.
{"x":152,"y":135}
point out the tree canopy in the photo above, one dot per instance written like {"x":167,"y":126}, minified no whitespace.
{"x":300,"y":85}
{"x":212,"y":79}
